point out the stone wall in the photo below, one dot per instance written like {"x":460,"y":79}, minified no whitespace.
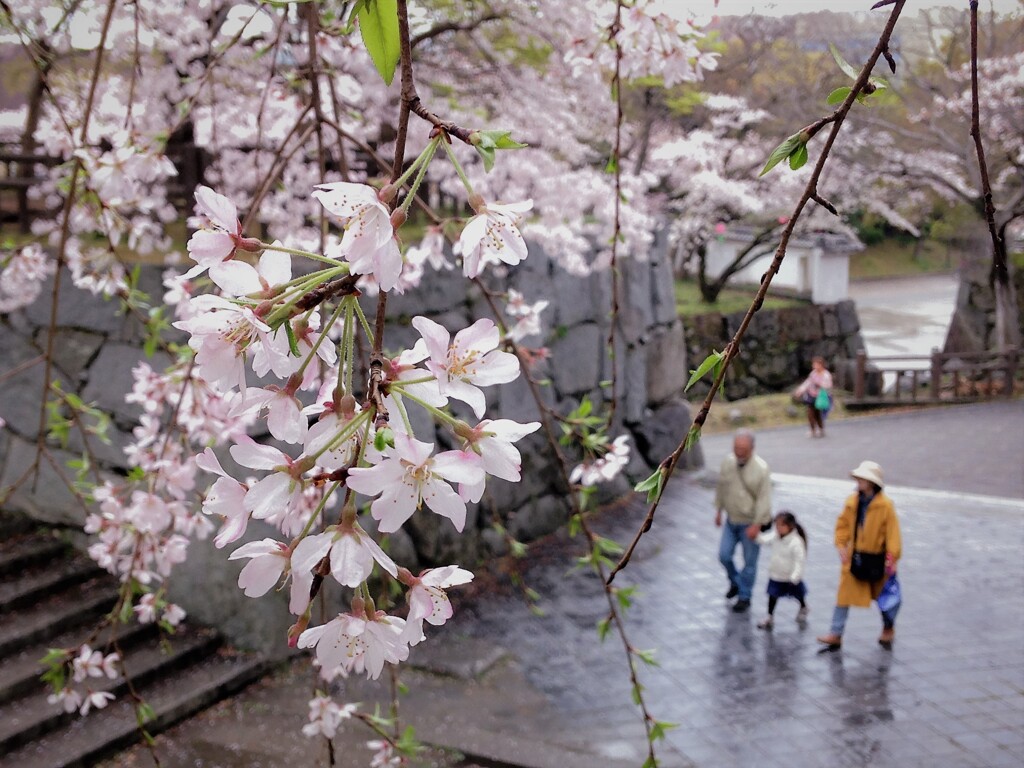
{"x":778,"y":345}
{"x":96,"y":349}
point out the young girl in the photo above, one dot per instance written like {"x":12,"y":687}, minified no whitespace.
{"x":786,"y":569}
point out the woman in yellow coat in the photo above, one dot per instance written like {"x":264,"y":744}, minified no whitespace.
{"x":877,"y":531}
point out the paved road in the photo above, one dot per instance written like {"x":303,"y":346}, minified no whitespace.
{"x":550,"y":694}
{"x":907,"y":315}
{"x":970,"y":448}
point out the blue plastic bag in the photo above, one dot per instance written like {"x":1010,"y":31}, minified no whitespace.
{"x":890,"y":595}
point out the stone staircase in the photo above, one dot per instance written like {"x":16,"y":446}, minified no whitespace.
{"x":52,"y":597}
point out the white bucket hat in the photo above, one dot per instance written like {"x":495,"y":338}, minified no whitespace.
{"x":870,"y":471}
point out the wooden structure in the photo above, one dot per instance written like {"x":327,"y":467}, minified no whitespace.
{"x":18,"y":172}
{"x":942,"y":377}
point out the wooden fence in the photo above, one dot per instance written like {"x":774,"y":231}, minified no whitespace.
{"x":942,"y":377}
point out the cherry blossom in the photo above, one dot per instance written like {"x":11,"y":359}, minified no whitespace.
{"x":357,"y":643}
{"x":225,"y":499}
{"x":97,"y":699}
{"x":492,"y":441}
{"x":269,"y":561}
{"x":493,"y":236}
{"x":605,"y":467}
{"x":470,"y":362}
{"x":428,"y":600}
{"x":274,"y":492}
{"x":368,"y":244}
{"x":90,"y":663}
{"x":222,"y":332}
{"x":214,"y":249}
{"x":68,"y":698}
{"x":325,"y":716}
{"x":408,"y":477}
{"x":352,"y":553}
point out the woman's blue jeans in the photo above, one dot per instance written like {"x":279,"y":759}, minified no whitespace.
{"x":733,"y":534}
{"x":840,"y":614}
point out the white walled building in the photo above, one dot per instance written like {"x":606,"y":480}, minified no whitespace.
{"x":817,"y":265}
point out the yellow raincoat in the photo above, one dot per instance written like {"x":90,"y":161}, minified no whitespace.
{"x":880,"y":533}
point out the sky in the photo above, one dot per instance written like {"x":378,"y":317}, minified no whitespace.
{"x":783,"y":8}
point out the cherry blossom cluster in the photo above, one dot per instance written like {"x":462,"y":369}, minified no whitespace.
{"x":652,"y":44}
{"x":343,"y":448}
{"x":87,"y":665}
{"x":22,"y":272}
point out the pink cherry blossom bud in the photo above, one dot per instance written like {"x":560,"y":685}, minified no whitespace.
{"x":297,"y":629}
{"x":387,"y":193}
{"x":405,"y":576}
{"x":398,"y":218}
{"x":347,"y":407}
{"x":476,"y":202}
{"x":358,"y":604}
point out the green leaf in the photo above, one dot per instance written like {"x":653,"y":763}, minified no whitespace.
{"x":844,"y":65}
{"x":781,"y":152}
{"x":293,"y":344}
{"x":487,"y":153}
{"x":144,"y":713}
{"x":839,"y":95}
{"x":652,"y":485}
{"x":650,"y":762}
{"x":647,"y":657}
{"x":636,"y":692}
{"x":799,"y":158}
{"x":612,"y":165}
{"x":709,"y":363}
{"x":384,"y":438}
{"x":692,"y":438}
{"x":659,"y":728}
{"x":378,"y":25}
{"x":603,"y":627}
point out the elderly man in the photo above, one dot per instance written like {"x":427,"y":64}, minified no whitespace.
{"x":744,"y":493}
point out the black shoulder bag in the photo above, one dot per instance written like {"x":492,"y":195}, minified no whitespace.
{"x":866,"y":566}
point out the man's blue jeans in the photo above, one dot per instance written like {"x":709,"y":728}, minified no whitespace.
{"x":733,"y":534}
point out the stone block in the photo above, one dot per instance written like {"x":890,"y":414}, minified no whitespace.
{"x":667,"y":371}
{"x":110,"y":378}
{"x":22,"y":393}
{"x":846,"y":315}
{"x":660,"y":433}
{"x":73,"y":350}
{"x":830,"y":322}
{"x":538,"y":517}
{"x":207,"y":587}
{"x":799,"y":324}
{"x":437,"y":292}
{"x":577,"y":360}
{"x":46,"y":498}
{"x":77,"y":309}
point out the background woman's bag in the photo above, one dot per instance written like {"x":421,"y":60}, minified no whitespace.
{"x":890,"y":596}
{"x":822,"y":401}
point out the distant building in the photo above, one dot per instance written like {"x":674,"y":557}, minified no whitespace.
{"x":816,"y":267}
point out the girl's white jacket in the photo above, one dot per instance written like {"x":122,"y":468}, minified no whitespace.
{"x":789,"y":553}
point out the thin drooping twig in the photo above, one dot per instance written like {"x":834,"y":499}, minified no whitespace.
{"x":65,"y":230}
{"x":613,"y":266}
{"x":999,"y":276}
{"x":546,"y":415}
{"x":837,"y":119}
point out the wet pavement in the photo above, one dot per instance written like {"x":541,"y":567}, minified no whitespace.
{"x":550,"y":693}
{"x":907,"y":315}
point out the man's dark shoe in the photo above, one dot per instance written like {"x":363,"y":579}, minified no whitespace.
{"x":733,"y":591}
{"x":741,"y":606}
